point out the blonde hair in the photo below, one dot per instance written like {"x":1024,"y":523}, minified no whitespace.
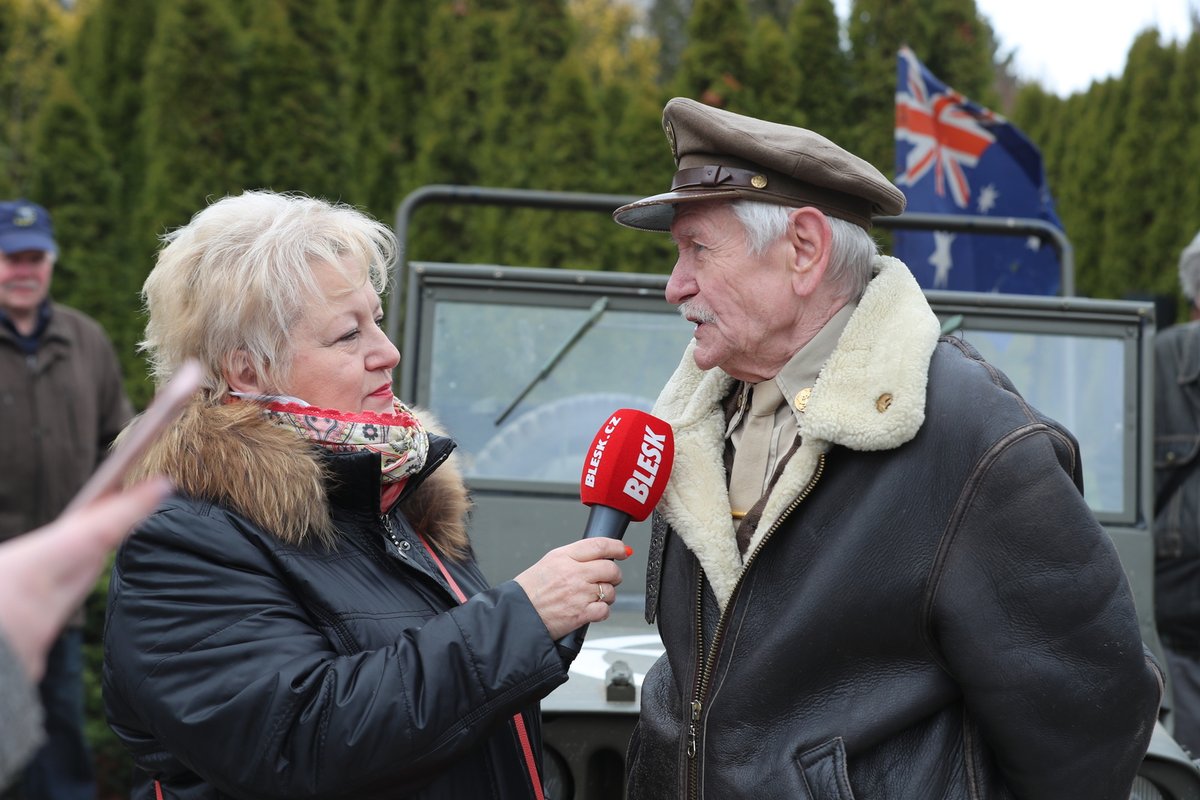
{"x":234,"y":281}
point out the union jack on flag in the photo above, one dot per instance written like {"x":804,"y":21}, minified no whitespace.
{"x":953,"y":156}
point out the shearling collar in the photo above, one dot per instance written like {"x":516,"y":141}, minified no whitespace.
{"x":230,"y":454}
{"x":869,"y":396}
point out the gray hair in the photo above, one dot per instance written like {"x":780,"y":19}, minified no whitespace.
{"x":239,"y":276}
{"x":850,"y":254}
{"x":1189,"y":270}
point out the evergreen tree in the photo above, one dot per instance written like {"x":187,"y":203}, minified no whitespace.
{"x":713,"y":68}
{"x":566,"y":162}
{"x":515,"y":110}
{"x":636,"y":150}
{"x":388,"y":99}
{"x":877,"y":29}
{"x":771,"y":77}
{"x":1082,"y":178}
{"x":73,"y":176}
{"x":107,"y":64}
{"x":609,"y":45}
{"x":1169,"y":189}
{"x":1188,"y":208}
{"x":462,"y":47}
{"x":778,"y":11}
{"x":1127,"y":264}
{"x":195,"y":116}
{"x":960,"y":48}
{"x":822,"y":84}
{"x":31,"y":45}
{"x":668,"y":21}
{"x":299,"y":134}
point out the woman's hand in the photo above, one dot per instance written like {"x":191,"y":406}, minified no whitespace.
{"x":575,"y":584}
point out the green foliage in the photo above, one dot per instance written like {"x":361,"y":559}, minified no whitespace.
{"x":31,"y":42}
{"x":195,"y":116}
{"x":1133,"y":199}
{"x":107,"y":66}
{"x":296,"y":137}
{"x":667,"y":21}
{"x":713,"y":68}
{"x":822,"y":81}
{"x":387,"y":99}
{"x":72,"y":175}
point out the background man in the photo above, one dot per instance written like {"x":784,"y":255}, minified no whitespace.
{"x":1177,"y":502}
{"x":873,"y":569}
{"x":63,"y":403}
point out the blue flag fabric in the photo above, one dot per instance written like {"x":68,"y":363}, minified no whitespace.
{"x":953,"y":156}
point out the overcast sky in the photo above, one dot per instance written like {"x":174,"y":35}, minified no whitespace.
{"x":1066,"y":44}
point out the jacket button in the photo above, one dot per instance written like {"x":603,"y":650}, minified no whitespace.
{"x":882,"y":403}
{"x":405,"y":545}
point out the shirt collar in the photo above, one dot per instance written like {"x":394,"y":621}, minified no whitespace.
{"x":799,"y":374}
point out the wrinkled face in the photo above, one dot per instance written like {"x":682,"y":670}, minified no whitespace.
{"x":24,"y":281}
{"x":341,"y":358}
{"x":743,"y":305}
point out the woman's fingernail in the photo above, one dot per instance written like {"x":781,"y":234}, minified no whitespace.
{"x":628,"y":551}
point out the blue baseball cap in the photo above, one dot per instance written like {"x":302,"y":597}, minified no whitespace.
{"x":25,"y":226}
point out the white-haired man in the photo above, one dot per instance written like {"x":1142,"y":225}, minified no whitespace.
{"x":873,"y":569}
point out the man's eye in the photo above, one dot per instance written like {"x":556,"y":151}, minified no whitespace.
{"x":349,"y":337}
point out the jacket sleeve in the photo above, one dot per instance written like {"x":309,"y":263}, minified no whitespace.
{"x":208,"y":648}
{"x":1034,"y":617}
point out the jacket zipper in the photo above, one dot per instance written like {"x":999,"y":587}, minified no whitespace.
{"x":526,"y":746}
{"x":708,"y":663}
{"x":518,"y":721}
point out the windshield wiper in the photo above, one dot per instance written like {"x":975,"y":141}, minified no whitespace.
{"x":596,"y":311}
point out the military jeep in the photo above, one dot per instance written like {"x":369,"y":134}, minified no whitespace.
{"x":523,"y":364}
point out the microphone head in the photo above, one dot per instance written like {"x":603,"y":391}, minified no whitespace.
{"x":628,"y":464}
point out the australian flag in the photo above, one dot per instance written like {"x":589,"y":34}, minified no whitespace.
{"x":953,"y":156}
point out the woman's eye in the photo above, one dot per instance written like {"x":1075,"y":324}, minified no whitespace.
{"x":349,"y":337}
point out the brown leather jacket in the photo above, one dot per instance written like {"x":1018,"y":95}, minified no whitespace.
{"x":60,"y":410}
{"x":927,"y":609}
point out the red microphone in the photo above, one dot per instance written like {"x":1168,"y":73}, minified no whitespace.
{"x":624,"y":475}
{"x":625,"y":471}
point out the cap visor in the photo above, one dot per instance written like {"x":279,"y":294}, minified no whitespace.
{"x":20,"y":241}
{"x":656,"y":213}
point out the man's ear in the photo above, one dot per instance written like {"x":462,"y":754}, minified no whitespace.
{"x":241,"y":375}
{"x":810,"y":237}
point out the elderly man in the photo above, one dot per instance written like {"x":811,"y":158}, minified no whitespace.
{"x":873,"y":569}
{"x":63,"y":403}
{"x":1177,"y":502}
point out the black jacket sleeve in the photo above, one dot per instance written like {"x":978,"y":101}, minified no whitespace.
{"x":209,"y":649}
{"x":1035,"y":618}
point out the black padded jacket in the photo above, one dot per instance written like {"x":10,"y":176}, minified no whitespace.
{"x":240,"y":665}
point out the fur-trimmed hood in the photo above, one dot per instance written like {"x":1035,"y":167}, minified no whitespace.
{"x":870,"y":395}
{"x":230,"y":454}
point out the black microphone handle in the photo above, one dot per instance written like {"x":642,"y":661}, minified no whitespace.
{"x":606,"y":522}
{"x":603,"y":522}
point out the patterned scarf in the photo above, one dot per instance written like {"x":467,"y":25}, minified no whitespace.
{"x":399,"y":437}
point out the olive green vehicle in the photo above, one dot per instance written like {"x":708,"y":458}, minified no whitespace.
{"x":523,"y":364}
